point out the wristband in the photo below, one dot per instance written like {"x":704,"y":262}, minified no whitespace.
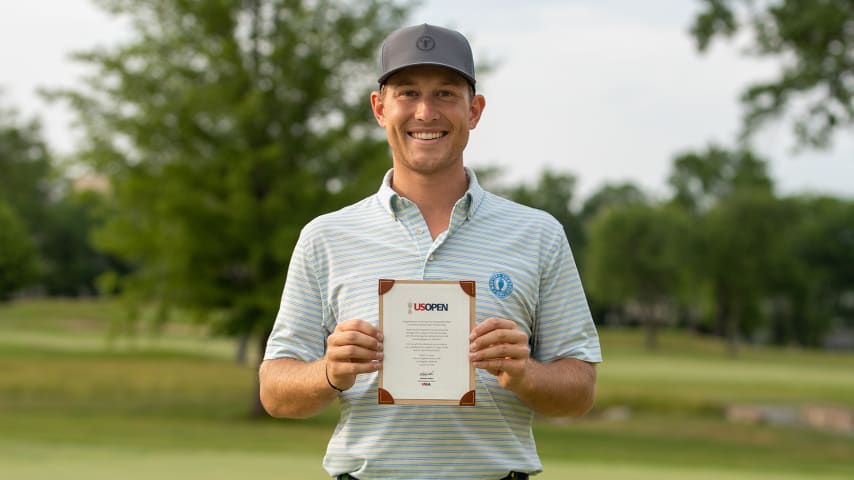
{"x":326,"y":370}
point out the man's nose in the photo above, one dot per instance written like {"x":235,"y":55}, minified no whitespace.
{"x":426,"y":109}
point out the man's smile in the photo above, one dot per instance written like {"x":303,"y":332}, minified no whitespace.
{"x":427,"y":135}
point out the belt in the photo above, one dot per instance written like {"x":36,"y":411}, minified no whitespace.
{"x":510,"y":476}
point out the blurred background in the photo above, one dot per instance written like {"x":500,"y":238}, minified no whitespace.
{"x":158,"y":159}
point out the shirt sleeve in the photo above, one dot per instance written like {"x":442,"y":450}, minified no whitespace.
{"x":563,"y":326}
{"x":299,"y":330}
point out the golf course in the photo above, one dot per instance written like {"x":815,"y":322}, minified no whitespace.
{"x":84,"y":394}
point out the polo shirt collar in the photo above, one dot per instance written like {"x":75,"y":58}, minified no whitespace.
{"x":390,"y":200}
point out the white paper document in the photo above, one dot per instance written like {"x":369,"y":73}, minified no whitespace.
{"x":426,"y":327}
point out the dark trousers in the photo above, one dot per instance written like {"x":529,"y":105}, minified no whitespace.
{"x":511,"y":476}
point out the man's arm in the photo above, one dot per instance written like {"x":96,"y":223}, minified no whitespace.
{"x":293,"y":388}
{"x":562,"y":388}
{"x":297,"y":389}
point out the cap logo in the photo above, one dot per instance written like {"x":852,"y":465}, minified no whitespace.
{"x":425,"y":43}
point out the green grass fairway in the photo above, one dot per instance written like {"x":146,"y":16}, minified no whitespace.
{"x":690,"y":373}
{"x":79,"y":402}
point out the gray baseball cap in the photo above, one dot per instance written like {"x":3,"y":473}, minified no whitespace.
{"x":426,"y":45}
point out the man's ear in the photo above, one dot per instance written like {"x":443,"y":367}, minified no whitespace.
{"x":478,"y":103}
{"x":377,"y":107}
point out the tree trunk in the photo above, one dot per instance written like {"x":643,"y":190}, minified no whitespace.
{"x":241,"y":356}
{"x":721,"y":312}
{"x":727,"y":321}
{"x":732,"y":336}
{"x":651,"y":327}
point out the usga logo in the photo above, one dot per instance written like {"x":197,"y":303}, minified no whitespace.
{"x":428,"y":307}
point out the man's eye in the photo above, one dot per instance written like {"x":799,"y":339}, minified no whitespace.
{"x":408,"y":93}
{"x":445,"y":93}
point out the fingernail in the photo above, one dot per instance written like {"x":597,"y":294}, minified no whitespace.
{"x":472,"y":347}
{"x":380,"y":336}
{"x":380,"y":346}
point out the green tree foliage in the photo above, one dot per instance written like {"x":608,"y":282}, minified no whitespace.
{"x":823,"y":244}
{"x":612,"y":196}
{"x":70,"y":263}
{"x":730,"y":196}
{"x":701,"y":179}
{"x":223,"y":128}
{"x":636,"y":258}
{"x":24,"y":194}
{"x":56,"y":218}
{"x":17,"y":253}
{"x":742,"y":250}
{"x":25,"y":170}
{"x":814,"y":43}
{"x":608,"y":196}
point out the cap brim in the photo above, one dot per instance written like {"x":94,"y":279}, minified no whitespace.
{"x":389,"y":73}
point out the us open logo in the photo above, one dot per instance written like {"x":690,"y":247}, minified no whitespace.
{"x":426,"y":307}
{"x":501,"y":285}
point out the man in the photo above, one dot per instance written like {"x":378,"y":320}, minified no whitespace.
{"x":534,"y":345}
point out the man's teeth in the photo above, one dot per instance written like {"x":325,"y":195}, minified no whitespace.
{"x":427,"y":135}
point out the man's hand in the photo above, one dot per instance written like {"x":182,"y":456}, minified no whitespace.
{"x":354,"y":347}
{"x":564,"y":387}
{"x":501,"y":348}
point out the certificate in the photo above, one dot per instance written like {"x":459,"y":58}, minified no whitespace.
{"x":426,"y":327}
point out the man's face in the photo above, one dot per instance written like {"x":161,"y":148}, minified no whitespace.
{"x":427,"y":112}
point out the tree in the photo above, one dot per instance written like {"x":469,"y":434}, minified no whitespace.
{"x":223,"y":128}
{"x":17,"y":253}
{"x":636,"y":258}
{"x":25,"y":170}
{"x":71,"y":265}
{"x":701,"y":179}
{"x":743,"y":248}
{"x":814,"y":42}
{"x":823,"y":244}
{"x":56,"y":218}
{"x":25,"y":191}
{"x":738,"y":239}
{"x":612,"y":196}
{"x":607,"y":197}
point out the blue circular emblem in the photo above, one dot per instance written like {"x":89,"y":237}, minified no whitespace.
{"x":501,"y":285}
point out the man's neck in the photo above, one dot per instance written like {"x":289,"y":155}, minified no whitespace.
{"x":435,"y":195}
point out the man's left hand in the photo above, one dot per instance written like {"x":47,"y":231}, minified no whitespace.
{"x":501,"y":348}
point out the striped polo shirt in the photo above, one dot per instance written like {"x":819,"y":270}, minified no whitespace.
{"x":524,"y":271}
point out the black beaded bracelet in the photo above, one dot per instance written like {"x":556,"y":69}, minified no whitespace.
{"x":330,"y":381}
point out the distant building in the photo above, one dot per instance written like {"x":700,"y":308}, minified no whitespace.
{"x":93,"y":182}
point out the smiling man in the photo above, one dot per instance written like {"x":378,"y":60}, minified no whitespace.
{"x":534,"y":345}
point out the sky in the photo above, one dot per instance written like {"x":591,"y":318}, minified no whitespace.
{"x":607,"y":90}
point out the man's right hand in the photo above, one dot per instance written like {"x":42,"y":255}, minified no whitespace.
{"x":354,"y":347}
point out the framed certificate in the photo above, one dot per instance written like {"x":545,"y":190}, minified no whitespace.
{"x":426,"y":327}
